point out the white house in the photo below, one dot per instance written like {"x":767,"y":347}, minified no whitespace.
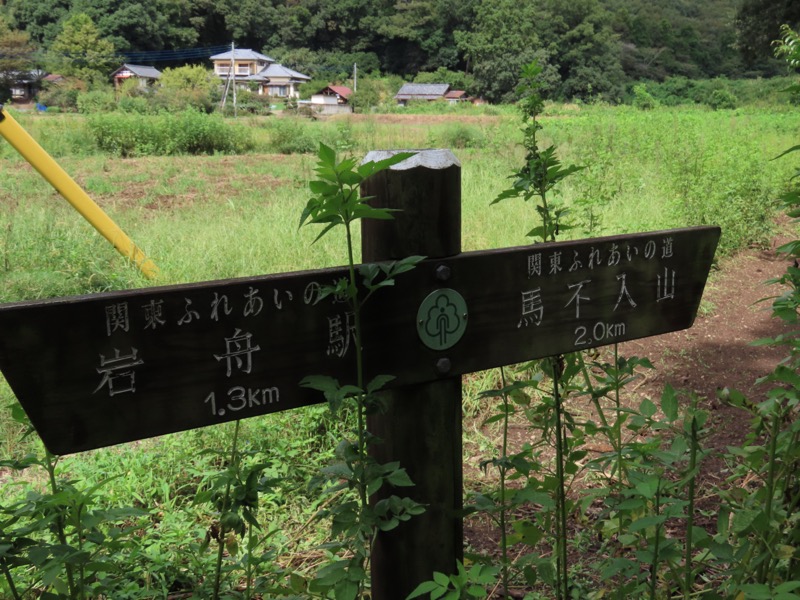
{"x":331,"y":100}
{"x":250,"y":69}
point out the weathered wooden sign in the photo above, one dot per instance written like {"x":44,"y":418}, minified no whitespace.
{"x":97,"y":370}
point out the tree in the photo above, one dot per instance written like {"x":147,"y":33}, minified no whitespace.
{"x":136,"y":25}
{"x":502,"y":40}
{"x":249,"y":23}
{"x":418,"y":34}
{"x":329,"y":65}
{"x":758,"y":24}
{"x":188,"y":86}
{"x":41,"y":20}
{"x":675,"y":38}
{"x":190,"y":78}
{"x":577,"y":36}
{"x":456,"y":80}
{"x":80,"y":50}
{"x":16,"y":57}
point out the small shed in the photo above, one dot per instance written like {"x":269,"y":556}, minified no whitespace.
{"x":25,"y":85}
{"x":332,"y":100}
{"x":455,"y":96}
{"x":421,"y":91}
{"x":146,"y":76}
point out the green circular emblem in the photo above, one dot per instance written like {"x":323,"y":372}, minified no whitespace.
{"x":442,"y":319}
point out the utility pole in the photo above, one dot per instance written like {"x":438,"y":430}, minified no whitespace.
{"x":355,"y":77}
{"x":233,"y":74}
{"x":228,"y":83}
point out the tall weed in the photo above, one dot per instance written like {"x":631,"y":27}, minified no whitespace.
{"x":189,"y":132}
{"x":759,"y":525}
{"x":291,"y":136}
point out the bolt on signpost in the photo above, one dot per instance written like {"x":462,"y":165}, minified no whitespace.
{"x":97,"y":370}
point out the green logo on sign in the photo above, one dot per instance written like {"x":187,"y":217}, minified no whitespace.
{"x":442,"y":319}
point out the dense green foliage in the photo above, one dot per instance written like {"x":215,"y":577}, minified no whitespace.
{"x":168,"y":518}
{"x":587,"y":48}
{"x":189,"y":132}
{"x":81,"y":51}
{"x":238,"y":519}
{"x":15,"y":49}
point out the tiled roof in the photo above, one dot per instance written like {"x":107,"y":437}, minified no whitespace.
{"x":423,"y":91}
{"x":243,"y":54}
{"x":343,"y":91}
{"x":276,"y":70}
{"x":142,"y":71}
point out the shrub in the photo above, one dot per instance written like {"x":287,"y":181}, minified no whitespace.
{"x":96,"y":102}
{"x":193,"y":132}
{"x":722,"y":99}
{"x":310,"y":88}
{"x":248,"y":103}
{"x":455,"y":79}
{"x":291,"y":136}
{"x":134,"y":104}
{"x":460,"y":135}
{"x":676,"y":90}
{"x":63,"y":94}
{"x":190,"y":86}
{"x":642,"y":99}
{"x":174,"y":100}
{"x":190,"y":132}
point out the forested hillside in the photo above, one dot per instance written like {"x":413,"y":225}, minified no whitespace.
{"x":589,"y":48}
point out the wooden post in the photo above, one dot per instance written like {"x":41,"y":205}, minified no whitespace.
{"x":422,"y":425}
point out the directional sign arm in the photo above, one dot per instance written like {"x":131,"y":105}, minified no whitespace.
{"x":107,"y":368}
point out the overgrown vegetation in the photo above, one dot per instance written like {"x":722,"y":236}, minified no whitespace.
{"x":355,"y":519}
{"x":589,"y":50}
{"x":236,"y":521}
{"x":189,"y":132}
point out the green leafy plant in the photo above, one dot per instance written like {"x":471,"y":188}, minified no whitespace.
{"x":188,"y":132}
{"x":759,"y":527}
{"x":542,"y":170}
{"x":355,"y":521}
{"x":650,"y":483}
{"x":536,"y":180}
{"x":234,"y":493}
{"x":464,"y":584}
{"x":642,"y":99}
{"x":71,"y":544}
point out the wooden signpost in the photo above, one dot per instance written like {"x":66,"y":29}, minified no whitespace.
{"x":97,"y":370}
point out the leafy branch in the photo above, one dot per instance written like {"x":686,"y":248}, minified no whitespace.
{"x":337,"y":202}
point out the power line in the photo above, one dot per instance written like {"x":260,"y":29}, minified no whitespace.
{"x":131,"y":57}
{"x":172,"y":55}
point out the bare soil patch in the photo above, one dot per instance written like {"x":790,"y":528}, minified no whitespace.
{"x":717,"y":352}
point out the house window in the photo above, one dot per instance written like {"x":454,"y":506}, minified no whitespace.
{"x":223,"y":69}
{"x":243,"y":69}
{"x":17,"y":92}
{"x":278,"y":90}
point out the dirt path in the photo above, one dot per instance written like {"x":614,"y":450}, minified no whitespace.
{"x":717,"y":352}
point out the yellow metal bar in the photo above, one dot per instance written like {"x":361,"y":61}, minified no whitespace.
{"x":73,"y":193}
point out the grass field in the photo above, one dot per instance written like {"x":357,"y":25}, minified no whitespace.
{"x":220,"y":216}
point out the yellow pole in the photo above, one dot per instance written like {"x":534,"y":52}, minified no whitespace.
{"x":72,"y":192}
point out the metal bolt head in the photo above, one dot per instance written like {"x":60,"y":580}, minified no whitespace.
{"x":443,"y":272}
{"x":443,"y":365}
